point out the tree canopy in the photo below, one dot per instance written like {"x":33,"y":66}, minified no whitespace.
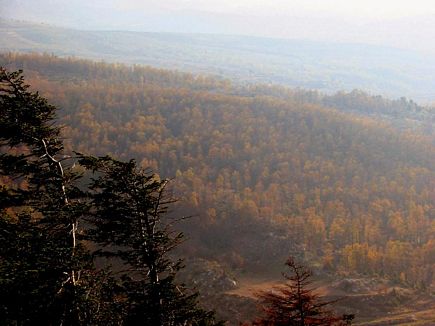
{"x":51,"y":222}
{"x":346,"y":179}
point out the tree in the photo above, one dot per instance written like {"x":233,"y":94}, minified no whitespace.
{"x":130,"y":223}
{"x":47,"y":275}
{"x":295,"y":303}
{"x":45,"y":272}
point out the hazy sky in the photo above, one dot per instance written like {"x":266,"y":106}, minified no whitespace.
{"x":399,"y":23}
{"x":356,"y":8}
{"x":378,"y":9}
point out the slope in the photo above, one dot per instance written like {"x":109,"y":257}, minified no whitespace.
{"x":323,"y":66}
{"x":344,"y":190}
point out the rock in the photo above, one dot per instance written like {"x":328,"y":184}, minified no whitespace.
{"x":208,"y":277}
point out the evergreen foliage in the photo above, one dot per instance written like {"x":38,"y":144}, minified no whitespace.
{"x":47,"y":273}
{"x":131,"y":222}
{"x":295,"y":303}
{"x":43,"y":267}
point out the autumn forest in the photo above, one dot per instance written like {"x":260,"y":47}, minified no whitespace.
{"x":320,"y":173}
{"x":345,"y":182}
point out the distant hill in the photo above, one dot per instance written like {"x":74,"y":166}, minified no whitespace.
{"x":327,"y":67}
{"x":345,"y":180}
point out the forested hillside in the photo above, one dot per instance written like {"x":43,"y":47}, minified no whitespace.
{"x":324,"y":66}
{"x":346,"y":181}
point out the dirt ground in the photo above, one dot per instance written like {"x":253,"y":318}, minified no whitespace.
{"x":374,"y":302}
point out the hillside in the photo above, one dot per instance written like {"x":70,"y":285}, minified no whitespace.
{"x":327,"y":67}
{"x":344,"y":181}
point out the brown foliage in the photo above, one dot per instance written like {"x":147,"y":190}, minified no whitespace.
{"x":290,"y":169}
{"x":295,"y":303}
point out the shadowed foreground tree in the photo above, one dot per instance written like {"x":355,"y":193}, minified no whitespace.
{"x":130,"y":223}
{"x":295,"y":303}
{"x":46,"y":274}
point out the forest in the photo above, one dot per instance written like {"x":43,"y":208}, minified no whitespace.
{"x":352,"y":190}
{"x":344,"y":182}
{"x":312,"y":64}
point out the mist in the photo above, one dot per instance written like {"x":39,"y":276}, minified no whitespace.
{"x":401,"y":24}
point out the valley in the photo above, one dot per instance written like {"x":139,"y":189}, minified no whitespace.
{"x":324,"y":66}
{"x":343,"y":182}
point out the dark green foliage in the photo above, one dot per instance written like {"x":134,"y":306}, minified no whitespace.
{"x":25,"y":122}
{"x":44,"y":269}
{"x":178,"y":306}
{"x":131,"y":223}
{"x":46,"y":273}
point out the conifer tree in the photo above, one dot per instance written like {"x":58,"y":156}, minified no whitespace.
{"x":46,"y":274}
{"x":295,"y":303}
{"x":131,"y":222}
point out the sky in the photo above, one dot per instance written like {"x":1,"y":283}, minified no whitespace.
{"x":397,"y":23}
{"x":386,"y":9}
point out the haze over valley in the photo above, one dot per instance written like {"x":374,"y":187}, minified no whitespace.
{"x":319,"y":65}
{"x":296,"y":137}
